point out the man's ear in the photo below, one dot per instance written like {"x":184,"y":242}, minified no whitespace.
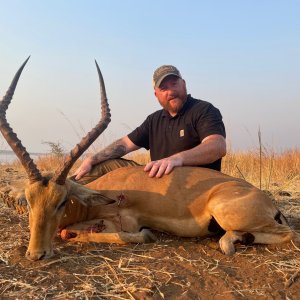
{"x":85,"y":195}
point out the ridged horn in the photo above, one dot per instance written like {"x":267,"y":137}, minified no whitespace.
{"x":62,"y":173}
{"x":11,"y":138}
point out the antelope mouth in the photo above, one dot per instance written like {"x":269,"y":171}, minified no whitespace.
{"x":38,"y":255}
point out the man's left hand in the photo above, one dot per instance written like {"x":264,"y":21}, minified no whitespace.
{"x":163,"y":166}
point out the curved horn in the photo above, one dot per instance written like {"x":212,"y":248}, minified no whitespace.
{"x":11,"y":138}
{"x":62,"y":173}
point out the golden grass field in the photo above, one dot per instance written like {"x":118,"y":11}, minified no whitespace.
{"x":171,"y":268}
{"x":282,"y":168}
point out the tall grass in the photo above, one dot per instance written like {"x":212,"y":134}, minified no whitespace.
{"x":263,"y":168}
{"x":278,"y":170}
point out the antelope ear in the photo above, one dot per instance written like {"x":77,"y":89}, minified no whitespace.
{"x":85,"y":195}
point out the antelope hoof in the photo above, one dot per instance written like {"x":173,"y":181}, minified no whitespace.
{"x":227,"y":247}
{"x":149,"y":237}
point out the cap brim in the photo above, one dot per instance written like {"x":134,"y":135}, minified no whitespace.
{"x":163,"y":77}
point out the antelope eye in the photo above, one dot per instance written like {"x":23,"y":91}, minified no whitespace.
{"x":62,"y":204}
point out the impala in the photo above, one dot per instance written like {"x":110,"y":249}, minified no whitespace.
{"x":123,"y":205}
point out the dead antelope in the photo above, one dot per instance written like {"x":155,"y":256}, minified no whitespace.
{"x":122,"y":205}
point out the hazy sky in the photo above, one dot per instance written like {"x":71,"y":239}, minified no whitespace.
{"x":242,"y":56}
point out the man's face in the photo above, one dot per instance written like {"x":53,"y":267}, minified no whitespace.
{"x":171,"y":94}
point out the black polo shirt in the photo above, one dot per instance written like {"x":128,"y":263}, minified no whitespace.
{"x":165,"y":135}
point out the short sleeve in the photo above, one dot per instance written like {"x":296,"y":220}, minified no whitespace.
{"x":210,"y":122}
{"x":140,"y":136}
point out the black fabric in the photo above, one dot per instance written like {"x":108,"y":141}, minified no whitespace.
{"x":165,"y":135}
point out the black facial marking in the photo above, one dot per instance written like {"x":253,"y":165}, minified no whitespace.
{"x":279,"y":217}
{"x":62,"y":204}
{"x":45,"y":181}
{"x":247,"y":238}
{"x":214,"y":227}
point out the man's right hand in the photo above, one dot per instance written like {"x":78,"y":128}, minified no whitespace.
{"x":163,"y":166}
{"x":84,"y":168}
{"x":115,"y":150}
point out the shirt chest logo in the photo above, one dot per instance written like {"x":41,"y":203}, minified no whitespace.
{"x":181,"y":133}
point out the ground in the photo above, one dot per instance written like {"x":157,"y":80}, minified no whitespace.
{"x":171,"y":268}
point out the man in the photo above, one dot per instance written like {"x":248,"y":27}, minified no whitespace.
{"x":186,"y":132}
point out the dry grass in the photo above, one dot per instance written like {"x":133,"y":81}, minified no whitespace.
{"x":277,"y":168}
{"x":172,"y":268}
{"x":280,"y":171}
{"x":169,"y":269}
{"x":45,"y":163}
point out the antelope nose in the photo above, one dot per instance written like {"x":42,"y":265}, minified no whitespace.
{"x":39,"y":255}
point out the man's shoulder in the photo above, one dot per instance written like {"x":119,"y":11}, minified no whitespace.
{"x":199,"y":102}
{"x":155,"y":115}
{"x":197,"y":105}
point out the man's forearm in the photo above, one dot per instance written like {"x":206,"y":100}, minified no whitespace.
{"x":205,"y":153}
{"x":115,"y":150}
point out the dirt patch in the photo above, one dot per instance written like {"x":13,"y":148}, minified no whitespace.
{"x":171,"y":268}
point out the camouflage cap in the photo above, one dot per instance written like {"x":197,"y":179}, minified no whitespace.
{"x":162,"y":72}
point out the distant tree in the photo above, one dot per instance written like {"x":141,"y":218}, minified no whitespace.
{"x":55,"y":148}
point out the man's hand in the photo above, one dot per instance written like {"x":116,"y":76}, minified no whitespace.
{"x":163,"y":166}
{"x":84,"y":168}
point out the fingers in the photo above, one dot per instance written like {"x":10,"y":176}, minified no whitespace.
{"x":153,"y":168}
{"x":164,"y":166}
{"x":80,"y":174}
{"x":159,"y":168}
{"x":85,"y":167}
{"x":149,"y":166}
{"x":169,"y":169}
